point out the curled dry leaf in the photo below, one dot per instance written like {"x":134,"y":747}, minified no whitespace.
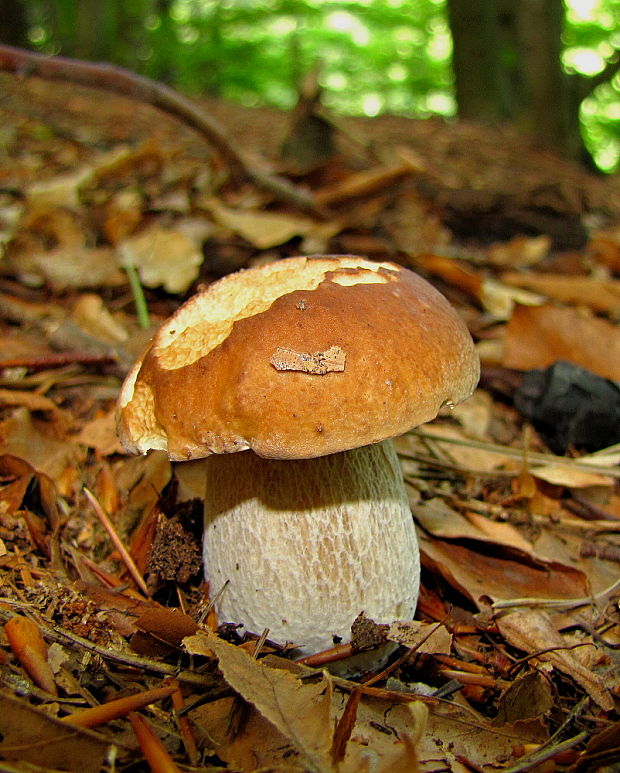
{"x":261,"y":229}
{"x":500,"y":574}
{"x":533,"y":631}
{"x":301,"y":712}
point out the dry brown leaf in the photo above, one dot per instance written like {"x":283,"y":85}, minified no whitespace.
{"x":30,"y":735}
{"x":498,"y":299}
{"x":412,"y":633}
{"x":527,"y":697}
{"x":77,"y":266}
{"x":261,"y":229}
{"x":440,"y":520}
{"x":520,"y":251}
{"x":604,"y":247}
{"x":363,"y":183}
{"x":301,"y":712}
{"x":163,"y":257}
{"x":533,"y":632}
{"x":538,"y":337}
{"x":456,"y":736}
{"x":30,"y":400}
{"x":91,"y":314}
{"x":468,"y":456}
{"x":383,"y":740}
{"x":478,"y":574}
{"x":600,"y":294}
{"x":100,"y":434}
{"x":571,"y":476}
{"x":23,"y":437}
{"x":60,"y":191}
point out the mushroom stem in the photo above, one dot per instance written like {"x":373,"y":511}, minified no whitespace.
{"x":307,"y":545}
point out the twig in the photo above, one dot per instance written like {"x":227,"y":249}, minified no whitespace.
{"x":128,"y":84}
{"x":118,"y":544}
{"x":533,"y":456}
{"x":543,"y":754}
{"x":557,"y":603}
{"x":186,"y":729}
{"x":154,"y":751}
{"x":67,"y":638}
{"x":106,"y":712}
{"x":58,"y":360}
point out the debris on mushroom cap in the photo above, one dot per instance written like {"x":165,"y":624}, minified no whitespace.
{"x":299,"y":358}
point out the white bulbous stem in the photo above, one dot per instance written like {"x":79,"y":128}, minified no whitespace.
{"x":304,"y":546}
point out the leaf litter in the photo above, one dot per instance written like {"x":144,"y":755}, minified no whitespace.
{"x":512,"y":662}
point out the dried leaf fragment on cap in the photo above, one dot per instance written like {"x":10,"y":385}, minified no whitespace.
{"x":317,"y":363}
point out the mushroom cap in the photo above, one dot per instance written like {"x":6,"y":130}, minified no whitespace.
{"x":296,"y":359}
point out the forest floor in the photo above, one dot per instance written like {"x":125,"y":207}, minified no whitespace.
{"x":517,"y":505}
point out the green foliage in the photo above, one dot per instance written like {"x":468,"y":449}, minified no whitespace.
{"x":374,"y":55}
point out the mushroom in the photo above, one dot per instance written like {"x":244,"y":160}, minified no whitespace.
{"x":289,"y":379}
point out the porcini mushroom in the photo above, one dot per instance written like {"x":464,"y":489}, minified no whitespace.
{"x":289,"y":379}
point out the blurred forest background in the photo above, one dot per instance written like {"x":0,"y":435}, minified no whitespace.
{"x":550,"y":67}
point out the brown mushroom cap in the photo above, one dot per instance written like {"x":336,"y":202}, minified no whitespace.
{"x":296,"y":359}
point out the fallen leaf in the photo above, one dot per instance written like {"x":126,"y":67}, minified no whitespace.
{"x":527,"y":697}
{"x":533,"y":632}
{"x":262,"y":229}
{"x":364,"y":183}
{"x":412,"y":633}
{"x":101,"y":434}
{"x":440,"y":520}
{"x":571,"y":476}
{"x":91,"y":314}
{"x":499,"y":575}
{"x":163,"y":257}
{"x":77,"y":266}
{"x":600,"y":294}
{"x":520,"y":251}
{"x":23,"y":437}
{"x":59,"y":191}
{"x":301,"y":712}
{"x":539,"y":336}
{"x":30,"y":735}
{"x":456,"y":736}
{"x":30,"y":400}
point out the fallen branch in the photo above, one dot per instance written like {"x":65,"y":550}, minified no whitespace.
{"x":127,"y":84}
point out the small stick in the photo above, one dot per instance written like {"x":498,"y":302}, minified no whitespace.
{"x":99,"y":715}
{"x":154,"y":751}
{"x":185,"y":726}
{"x":57,"y":360}
{"x":118,"y":544}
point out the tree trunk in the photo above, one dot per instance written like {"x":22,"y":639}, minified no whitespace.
{"x":507,"y":67}
{"x":474,"y":33}
{"x":13,"y":24}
